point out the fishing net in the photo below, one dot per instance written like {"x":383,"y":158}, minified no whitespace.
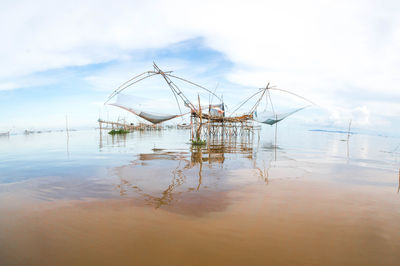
{"x":270,"y":118}
{"x":127,"y":102}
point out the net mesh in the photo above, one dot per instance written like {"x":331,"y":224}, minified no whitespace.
{"x":127,"y":103}
{"x":270,"y":118}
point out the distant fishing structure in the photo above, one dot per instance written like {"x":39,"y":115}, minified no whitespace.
{"x":209,"y":120}
{"x":5,"y":134}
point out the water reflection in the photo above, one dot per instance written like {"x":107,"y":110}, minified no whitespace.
{"x":118,"y":140}
{"x":163,"y":169}
{"x":398,"y":188}
{"x":164,"y":178}
{"x":318,"y":220}
{"x":264,"y":171}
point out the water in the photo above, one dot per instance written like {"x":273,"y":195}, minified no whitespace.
{"x":150,"y":198}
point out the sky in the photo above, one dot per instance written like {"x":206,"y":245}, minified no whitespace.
{"x":63,"y":58}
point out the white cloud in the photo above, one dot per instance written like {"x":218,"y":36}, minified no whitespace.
{"x":8,"y":86}
{"x":341,"y":54}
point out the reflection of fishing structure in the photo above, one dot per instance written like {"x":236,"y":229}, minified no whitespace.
{"x":216,"y":150}
{"x":5,"y":134}
{"x":264,"y":172}
{"x":182,"y":181}
{"x":209,"y":120}
{"x":398,"y":189}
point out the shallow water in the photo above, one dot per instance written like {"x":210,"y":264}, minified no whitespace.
{"x":149,"y":198}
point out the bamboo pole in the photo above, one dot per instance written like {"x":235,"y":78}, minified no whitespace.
{"x":198,"y":133}
{"x":191,"y":126}
{"x":348,"y":133}
{"x":66,"y":125}
{"x":276,"y":135}
{"x":348,"y":138}
{"x":398,"y":189}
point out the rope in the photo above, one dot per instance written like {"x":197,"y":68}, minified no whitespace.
{"x":272,"y":106}
{"x":119,"y":90}
{"x":294,"y":95}
{"x":197,"y":85}
{"x":248,"y":99}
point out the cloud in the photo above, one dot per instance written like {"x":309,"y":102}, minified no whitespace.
{"x":8,"y":86}
{"x":340,"y":54}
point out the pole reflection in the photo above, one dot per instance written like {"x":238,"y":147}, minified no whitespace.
{"x":203,"y":169}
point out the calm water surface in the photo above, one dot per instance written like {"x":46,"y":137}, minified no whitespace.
{"x":150,"y":198}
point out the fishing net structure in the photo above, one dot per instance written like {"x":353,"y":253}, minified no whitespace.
{"x":270,"y":118}
{"x":215,"y":113}
{"x":125,"y":102}
{"x":268,"y":115}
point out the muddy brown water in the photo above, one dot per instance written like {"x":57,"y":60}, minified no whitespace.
{"x":140,"y":201}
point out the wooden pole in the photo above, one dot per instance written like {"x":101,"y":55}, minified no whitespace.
{"x":348,"y":138}
{"x":348,"y":133}
{"x":191,"y":126}
{"x":66,"y":125}
{"x":276,"y":134}
{"x":198,"y":133}
{"x":208,"y":121}
{"x":398,"y":189}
